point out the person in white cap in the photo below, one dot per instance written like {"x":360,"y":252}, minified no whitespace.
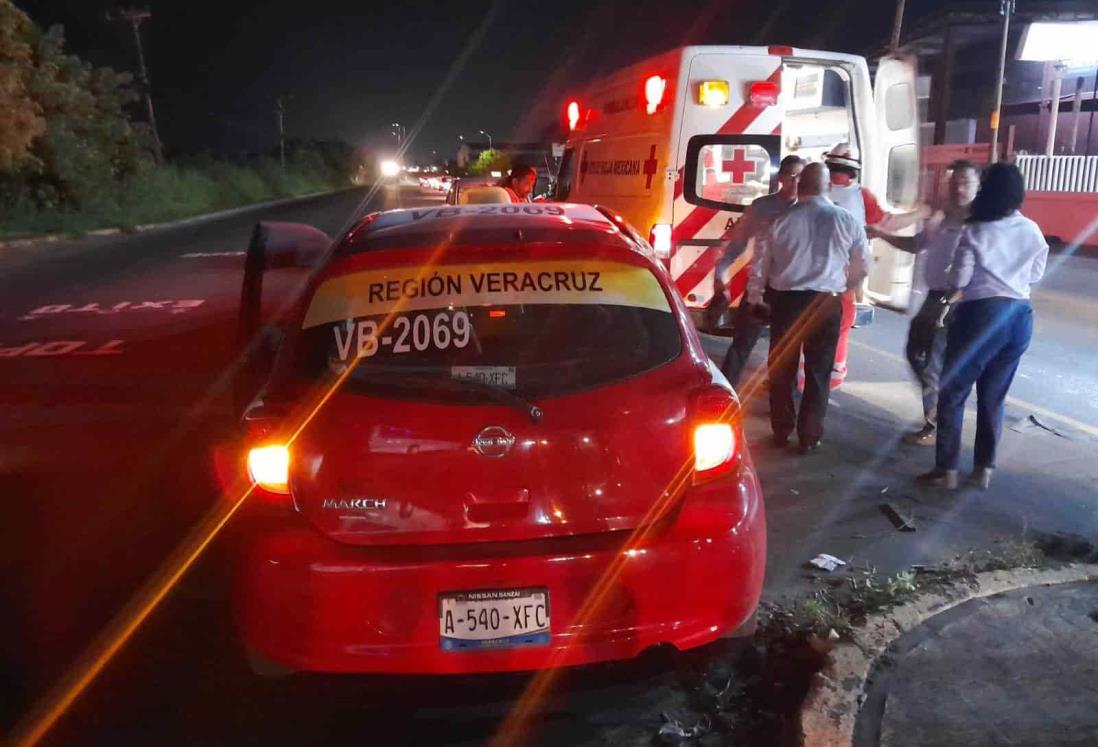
{"x":846,"y":192}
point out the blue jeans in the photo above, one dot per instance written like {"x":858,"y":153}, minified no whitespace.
{"x":986,"y":340}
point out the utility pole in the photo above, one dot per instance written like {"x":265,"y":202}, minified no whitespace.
{"x":135,"y":16}
{"x":897,"y":25}
{"x":487,"y":135}
{"x":401,"y":133}
{"x":1054,"y":111}
{"x":1006,"y":9}
{"x":280,"y":112}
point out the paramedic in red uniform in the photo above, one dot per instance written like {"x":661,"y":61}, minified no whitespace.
{"x":755,"y":222}
{"x":845,"y":168}
{"x":806,"y":262}
{"x":520,"y":183}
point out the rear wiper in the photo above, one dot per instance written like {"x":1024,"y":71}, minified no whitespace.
{"x":401,"y":377}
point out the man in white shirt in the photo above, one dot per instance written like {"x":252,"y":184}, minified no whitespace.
{"x":936,"y":243}
{"x":756,"y":220}
{"x":810,"y":257}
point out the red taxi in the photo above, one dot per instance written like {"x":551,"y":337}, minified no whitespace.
{"x":491,"y":440}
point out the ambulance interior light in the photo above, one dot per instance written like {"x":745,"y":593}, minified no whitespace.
{"x":713,"y":93}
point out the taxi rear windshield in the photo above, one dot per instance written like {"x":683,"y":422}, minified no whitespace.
{"x":534,"y":329}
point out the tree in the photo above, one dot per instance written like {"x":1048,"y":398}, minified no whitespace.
{"x":89,"y":144}
{"x":21,"y":118}
{"x":490,"y":160}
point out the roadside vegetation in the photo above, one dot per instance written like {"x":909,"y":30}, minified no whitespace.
{"x":72,"y":158}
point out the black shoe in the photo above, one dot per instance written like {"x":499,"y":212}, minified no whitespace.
{"x":925,"y":436}
{"x":939,"y":478}
{"x":809,"y":447}
{"x":779,"y":442}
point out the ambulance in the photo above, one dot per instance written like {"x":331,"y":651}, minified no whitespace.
{"x":681,"y":143}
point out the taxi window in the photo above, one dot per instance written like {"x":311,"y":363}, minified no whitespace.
{"x":535,"y":328}
{"x":728,"y":172}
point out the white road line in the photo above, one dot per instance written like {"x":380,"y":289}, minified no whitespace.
{"x":1012,"y":401}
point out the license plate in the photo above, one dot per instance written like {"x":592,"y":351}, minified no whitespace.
{"x":503,"y":618}
{"x":503,"y":376}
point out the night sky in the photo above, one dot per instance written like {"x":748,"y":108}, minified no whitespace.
{"x":351,"y":68}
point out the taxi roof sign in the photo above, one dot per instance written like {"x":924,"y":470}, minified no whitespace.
{"x":553,"y":211}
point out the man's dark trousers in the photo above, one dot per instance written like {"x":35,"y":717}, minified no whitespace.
{"x":808,"y":322}
{"x":746,"y":328}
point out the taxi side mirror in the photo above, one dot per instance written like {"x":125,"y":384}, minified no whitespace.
{"x":288,"y":244}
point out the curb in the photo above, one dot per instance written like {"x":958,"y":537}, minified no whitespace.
{"x":52,"y":238}
{"x":835,"y":695}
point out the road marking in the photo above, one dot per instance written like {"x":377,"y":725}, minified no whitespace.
{"x":59,"y":347}
{"x":178,"y":306}
{"x":203,"y":255}
{"x":1012,"y":401}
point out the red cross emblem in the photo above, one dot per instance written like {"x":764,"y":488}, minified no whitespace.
{"x":739,"y":166}
{"x":650,"y":168}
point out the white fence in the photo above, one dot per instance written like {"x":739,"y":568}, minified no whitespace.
{"x":1059,"y":173}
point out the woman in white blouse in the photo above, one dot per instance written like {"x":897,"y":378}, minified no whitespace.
{"x":1000,"y":254}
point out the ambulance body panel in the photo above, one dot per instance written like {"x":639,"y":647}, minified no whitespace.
{"x":683,"y":162}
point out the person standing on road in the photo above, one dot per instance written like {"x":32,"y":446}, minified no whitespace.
{"x":1001,"y":253}
{"x":846,"y":192}
{"x":936,"y":243}
{"x":808,"y":259}
{"x":520,"y":183}
{"x":756,"y":221}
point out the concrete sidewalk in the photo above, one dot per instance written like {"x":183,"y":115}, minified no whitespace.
{"x":1019,"y":668}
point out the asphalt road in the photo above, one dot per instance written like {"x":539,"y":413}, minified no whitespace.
{"x":114,"y":357}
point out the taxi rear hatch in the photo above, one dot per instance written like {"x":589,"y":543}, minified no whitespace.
{"x":491,"y":397}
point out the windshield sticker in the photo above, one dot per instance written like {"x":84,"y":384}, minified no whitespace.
{"x":394,"y":290}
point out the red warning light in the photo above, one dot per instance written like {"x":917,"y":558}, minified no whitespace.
{"x":572,"y":113}
{"x":654,"y":88}
{"x":497,"y":313}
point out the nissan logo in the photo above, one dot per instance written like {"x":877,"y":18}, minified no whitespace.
{"x":494,"y":441}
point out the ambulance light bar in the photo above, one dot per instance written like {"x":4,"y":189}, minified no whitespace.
{"x":763,"y":93}
{"x":654,"y":88}
{"x":713,"y":93}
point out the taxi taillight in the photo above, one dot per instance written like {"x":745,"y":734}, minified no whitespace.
{"x":714,"y":435}
{"x":269,"y":467}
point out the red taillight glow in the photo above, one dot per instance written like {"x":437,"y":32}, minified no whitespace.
{"x":660,"y":239}
{"x":654,"y":88}
{"x":572,"y":113}
{"x":714,"y":445}
{"x":497,"y":313}
{"x":269,"y":467}
{"x":763,"y":93}
{"x":713,"y":411}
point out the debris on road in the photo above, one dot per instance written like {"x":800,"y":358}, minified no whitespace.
{"x":673,"y":730}
{"x":827,"y":562}
{"x":1031,"y":423}
{"x":903,"y":521}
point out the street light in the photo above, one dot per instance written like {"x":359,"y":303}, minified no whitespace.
{"x":400,"y":131}
{"x":482,"y":132}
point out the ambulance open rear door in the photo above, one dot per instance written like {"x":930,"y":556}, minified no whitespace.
{"x":895,"y":165}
